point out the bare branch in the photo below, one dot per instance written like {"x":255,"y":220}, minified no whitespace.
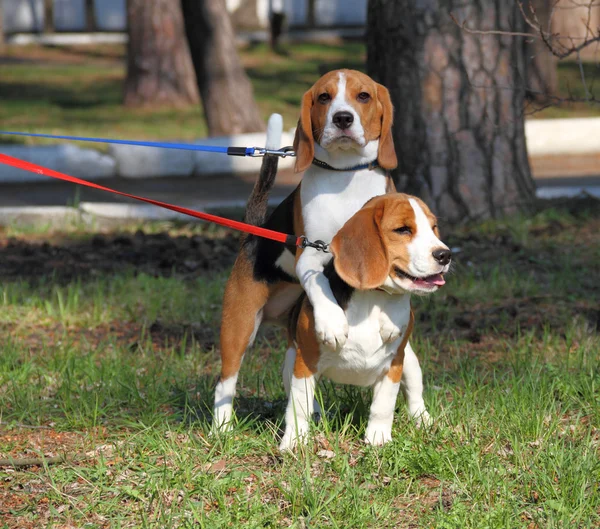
{"x":560,"y":46}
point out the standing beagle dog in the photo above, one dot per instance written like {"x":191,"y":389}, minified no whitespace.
{"x":384,"y":253}
{"x":344,"y":146}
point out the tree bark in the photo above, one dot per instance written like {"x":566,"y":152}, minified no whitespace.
{"x":2,"y":41}
{"x":542,"y":72}
{"x":48,"y":16}
{"x":458,"y":98}
{"x":90,"y":16}
{"x":311,"y":13}
{"x":159,"y":66}
{"x":225,"y":89}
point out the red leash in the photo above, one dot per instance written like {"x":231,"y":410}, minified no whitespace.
{"x":291,"y":240}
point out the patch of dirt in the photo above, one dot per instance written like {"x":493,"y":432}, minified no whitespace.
{"x":159,"y":254}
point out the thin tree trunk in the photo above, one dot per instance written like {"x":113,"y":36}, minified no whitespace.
{"x":2,"y":41}
{"x":48,"y":16}
{"x":542,"y":72}
{"x":225,"y":89}
{"x":458,"y":98}
{"x":159,"y":66}
{"x":311,"y":13}
{"x":90,"y":16}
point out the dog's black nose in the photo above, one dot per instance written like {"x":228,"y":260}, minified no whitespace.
{"x":442,"y":256}
{"x":343,"y":120}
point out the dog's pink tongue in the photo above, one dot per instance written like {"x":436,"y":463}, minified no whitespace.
{"x":437,"y":279}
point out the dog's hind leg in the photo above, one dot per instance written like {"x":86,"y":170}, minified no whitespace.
{"x":243,"y":305}
{"x":288,"y":372}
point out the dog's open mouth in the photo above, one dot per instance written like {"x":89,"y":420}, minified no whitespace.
{"x":428,"y":281}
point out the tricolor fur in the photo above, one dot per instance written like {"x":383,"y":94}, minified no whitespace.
{"x":385,"y":252}
{"x":345,"y":121}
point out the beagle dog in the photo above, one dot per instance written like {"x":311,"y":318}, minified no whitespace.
{"x":387,"y":251}
{"x":344,"y":146}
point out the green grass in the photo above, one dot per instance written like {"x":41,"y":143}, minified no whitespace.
{"x":78,"y":90}
{"x":122,"y":367}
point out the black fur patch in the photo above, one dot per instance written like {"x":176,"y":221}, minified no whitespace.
{"x":264,"y":253}
{"x":342,"y":291}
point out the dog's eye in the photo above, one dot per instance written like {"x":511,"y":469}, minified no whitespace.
{"x":404,"y":230}
{"x":324,"y":98}
{"x":363,"y":97}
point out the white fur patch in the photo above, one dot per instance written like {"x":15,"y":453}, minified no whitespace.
{"x":421,"y":247}
{"x":287,"y":262}
{"x":332,"y":135}
{"x":298,"y":413}
{"x":274,"y":131}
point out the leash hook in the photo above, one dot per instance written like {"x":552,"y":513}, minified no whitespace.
{"x":285,"y":151}
{"x":318,"y":245}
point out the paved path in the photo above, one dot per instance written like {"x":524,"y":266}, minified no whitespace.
{"x":39,"y":202}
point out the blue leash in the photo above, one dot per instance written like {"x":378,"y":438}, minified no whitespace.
{"x":231,"y":151}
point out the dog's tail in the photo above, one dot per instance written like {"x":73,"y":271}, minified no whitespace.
{"x":256,"y":210}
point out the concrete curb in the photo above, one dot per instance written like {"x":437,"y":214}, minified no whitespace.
{"x":552,"y":137}
{"x":109,"y":214}
{"x":112,"y":215}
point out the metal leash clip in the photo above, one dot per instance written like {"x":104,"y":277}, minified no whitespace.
{"x":285,"y":151}
{"x":318,"y":245}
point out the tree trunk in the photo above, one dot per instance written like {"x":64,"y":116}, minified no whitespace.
{"x":2,"y":42}
{"x":48,"y":16}
{"x":311,"y":13}
{"x":542,"y":72}
{"x":159,"y":66}
{"x":225,"y":89}
{"x":458,"y":98}
{"x":90,"y":16}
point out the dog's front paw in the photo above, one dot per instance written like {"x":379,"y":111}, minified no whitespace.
{"x":388,"y":330}
{"x":423,"y":419}
{"x":378,"y":434}
{"x":331,"y":326}
{"x":418,"y":413}
{"x":293,"y":436}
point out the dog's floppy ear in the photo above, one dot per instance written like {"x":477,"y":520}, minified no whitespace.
{"x":360,"y":254}
{"x":386,"y":155}
{"x":304,"y":142}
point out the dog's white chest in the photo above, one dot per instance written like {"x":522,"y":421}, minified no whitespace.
{"x":365,"y":356}
{"x":330,"y":198}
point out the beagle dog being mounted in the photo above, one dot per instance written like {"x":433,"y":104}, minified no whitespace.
{"x":344,"y":144}
{"x":385,"y":252}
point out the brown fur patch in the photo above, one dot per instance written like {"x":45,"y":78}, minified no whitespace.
{"x":242,"y":301}
{"x":368,"y":247}
{"x":308,"y":349}
{"x":395,"y":371}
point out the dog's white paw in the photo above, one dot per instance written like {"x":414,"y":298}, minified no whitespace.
{"x":293,"y":437}
{"x":221,"y":427}
{"x":378,"y":434}
{"x":388,"y":330}
{"x":423,"y":419}
{"x":331,"y":326}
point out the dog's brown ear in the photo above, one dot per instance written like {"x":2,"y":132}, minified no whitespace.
{"x":360,"y":254}
{"x":386,"y":156}
{"x":304,"y":142}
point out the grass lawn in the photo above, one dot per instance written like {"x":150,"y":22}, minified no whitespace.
{"x":109,"y":360}
{"x":77,"y":90}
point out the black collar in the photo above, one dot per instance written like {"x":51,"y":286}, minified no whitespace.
{"x":371,"y":165}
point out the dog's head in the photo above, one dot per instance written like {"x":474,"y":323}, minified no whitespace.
{"x":392,"y":243}
{"x":345,"y":109}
